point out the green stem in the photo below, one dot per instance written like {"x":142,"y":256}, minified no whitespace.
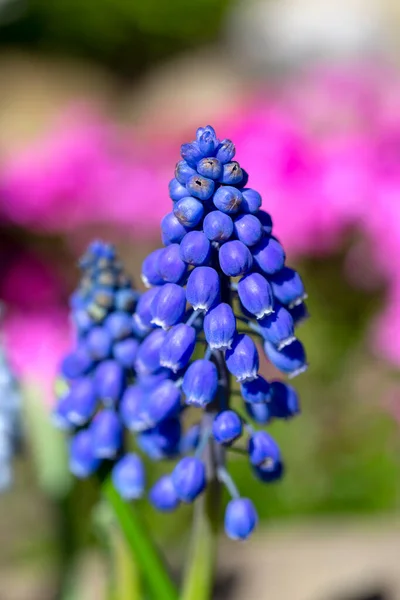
{"x":143,"y":551}
{"x":126,"y":577}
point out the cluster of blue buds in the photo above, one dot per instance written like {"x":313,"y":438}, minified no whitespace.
{"x":10,"y":424}
{"x":219,"y":281}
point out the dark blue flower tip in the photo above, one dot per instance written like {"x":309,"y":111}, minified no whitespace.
{"x":248,"y":229}
{"x":195,"y":248}
{"x":269,"y":255}
{"x":299,"y":313}
{"x":189,"y":211}
{"x":200,"y":383}
{"x":255,"y":294}
{"x":109,"y":381}
{"x":288,"y":287}
{"x":148,"y":355}
{"x":170,"y":265}
{"x":290,"y":360}
{"x":235,"y":258}
{"x":191,"y":153}
{"x":263,"y":451}
{"x":177,"y":191}
{"x":172,"y":230}
{"x":256,"y":391}
{"x":240,"y":519}
{"x":163,"y":402}
{"x":251,"y":201}
{"x":218,"y":226}
{"x":227,"y":427}
{"x":163,"y":495}
{"x":225,"y":151}
{"x":210,"y":167}
{"x":284,"y":400}
{"x":82,"y":461}
{"x":183,"y":172}
{"x":142,"y":316}
{"x":242,"y":358}
{"x":190,"y":439}
{"x":260,"y":412}
{"x":76,"y":363}
{"x":269,"y":475}
{"x":207,"y":140}
{"x":82,"y":401}
{"x":231,"y":174}
{"x":278,"y":327}
{"x":125,"y":352}
{"x":168,"y":306}
{"x":178,"y":347}
{"x":266,"y":221}
{"x":106,"y":429}
{"x":189,"y":478}
{"x":150,"y":274}
{"x":119,"y":324}
{"x":128,"y":477}
{"x":126,"y":299}
{"x":203,"y":288}
{"x":228,"y":199}
{"x":220,"y":327}
{"x":130,"y":406}
{"x":163,"y":441}
{"x":200,"y":187}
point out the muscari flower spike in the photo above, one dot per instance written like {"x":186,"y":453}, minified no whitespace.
{"x":219,"y":283}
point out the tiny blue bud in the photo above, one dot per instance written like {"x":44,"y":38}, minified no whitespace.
{"x":99,"y":343}
{"x":195,"y":248}
{"x":171,"y":267}
{"x":256,"y":391}
{"x":148,"y":355}
{"x":130,"y":406}
{"x":240,"y":519}
{"x":172,"y":230}
{"x":106,"y":429}
{"x":263,"y":451}
{"x":235,"y":258}
{"x":269,"y":475}
{"x":200,"y":187}
{"x":203,"y":288}
{"x":284,"y":400}
{"x":150,"y":275}
{"x":178,"y":347}
{"x":269,"y":255}
{"x":168,"y":306}
{"x":207,"y":140}
{"x":142,"y":317}
{"x":210,"y":167}
{"x":248,"y":229}
{"x":191,"y":153}
{"x":190,"y":439}
{"x":242,"y":359}
{"x":189,"y":211}
{"x":255,"y":294}
{"x":291,"y":359}
{"x":128,"y":477}
{"x":125,"y":352}
{"x":232,"y":174}
{"x":162,"y":441}
{"x":82,"y":401}
{"x":265,"y":220}
{"x":227,"y":427}
{"x":119,"y":324}
{"x":278,"y":327}
{"x":176,"y":190}
{"x":220,"y":327}
{"x":260,"y":413}
{"x":251,"y":201}
{"x":299,"y":313}
{"x":125,"y":300}
{"x":76,"y":363}
{"x":82,"y":461}
{"x":163,"y":495}
{"x":228,"y":199}
{"x":225,"y":151}
{"x":189,"y":478}
{"x":288,"y":287}
{"x":109,"y":381}
{"x":183,"y":172}
{"x":218,"y":226}
{"x":200,"y":382}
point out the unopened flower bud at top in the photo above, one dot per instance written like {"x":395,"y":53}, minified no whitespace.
{"x":189,"y":211}
{"x":225,"y":151}
{"x":177,"y":191}
{"x":251,"y":201}
{"x":210,"y":167}
{"x":200,"y":187}
{"x":183,"y":172}
{"x":228,"y":199}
